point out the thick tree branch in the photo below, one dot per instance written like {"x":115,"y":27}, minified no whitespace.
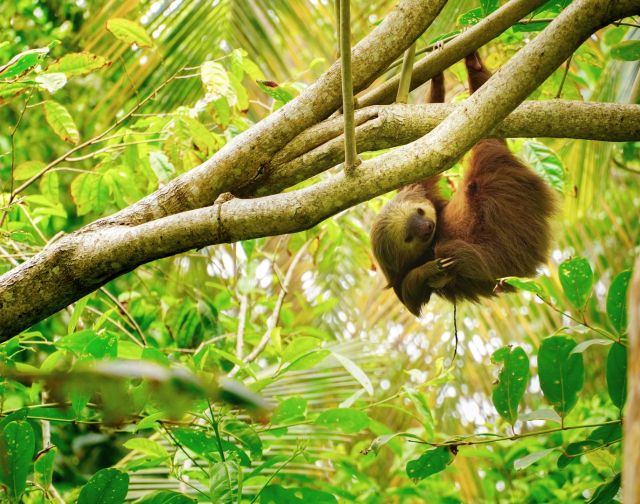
{"x":386,"y":126}
{"x":465,"y":43}
{"x":81,"y":262}
{"x":246,"y":155}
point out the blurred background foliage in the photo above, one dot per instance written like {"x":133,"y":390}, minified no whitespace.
{"x":303,"y":320}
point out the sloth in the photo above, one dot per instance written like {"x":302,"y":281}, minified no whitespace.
{"x":497,"y":224}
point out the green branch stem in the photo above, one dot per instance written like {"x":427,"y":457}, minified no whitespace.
{"x":405,"y":75}
{"x":351,"y":159}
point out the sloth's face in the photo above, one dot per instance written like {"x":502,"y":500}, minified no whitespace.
{"x":402,"y":234}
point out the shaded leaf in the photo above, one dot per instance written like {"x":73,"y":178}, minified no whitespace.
{"x":606,"y":492}
{"x":165,"y":497}
{"x":627,"y":50}
{"x":430,"y":462}
{"x":617,"y":374}
{"x":532,"y":458}
{"x":17,"y":444}
{"x":545,"y":162}
{"x":512,"y":381}
{"x":43,"y":467}
{"x":107,"y":486}
{"x":561,"y":372}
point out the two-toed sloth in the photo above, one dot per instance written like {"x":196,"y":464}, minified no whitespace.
{"x":496,"y":224}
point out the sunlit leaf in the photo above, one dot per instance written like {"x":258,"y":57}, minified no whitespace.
{"x":546,"y":163}
{"x":61,"y":122}
{"x":80,"y":63}
{"x":346,"y":419}
{"x":576,"y":278}
{"x":617,"y":301}
{"x":512,"y":381}
{"x":129,"y":31}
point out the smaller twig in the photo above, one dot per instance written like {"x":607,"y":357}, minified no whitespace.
{"x":351,"y":159}
{"x":125,"y":313}
{"x":242,"y":319}
{"x":405,"y":74}
{"x":564,"y":77}
{"x":179,"y":445}
{"x":272,"y":322}
{"x":497,"y":439}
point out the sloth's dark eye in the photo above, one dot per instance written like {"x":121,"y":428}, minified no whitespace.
{"x":408,"y":239}
{"x":420,"y":211}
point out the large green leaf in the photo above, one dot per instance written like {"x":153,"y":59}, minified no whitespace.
{"x":107,"y":486}
{"x":430,"y":462}
{"x":576,"y":278}
{"x":346,"y":419}
{"x":617,"y":374}
{"x":512,"y":381}
{"x":17,"y":444}
{"x":617,"y":301}
{"x":561,"y":372}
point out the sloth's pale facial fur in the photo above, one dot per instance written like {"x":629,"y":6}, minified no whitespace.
{"x":403,"y":233}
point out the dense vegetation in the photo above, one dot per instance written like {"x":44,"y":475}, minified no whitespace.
{"x":279,"y":369}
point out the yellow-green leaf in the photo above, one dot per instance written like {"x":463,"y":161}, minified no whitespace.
{"x":61,"y":122}
{"x":129,"y":31}
{"x":27,"y":169}
{"x":80,"y":63}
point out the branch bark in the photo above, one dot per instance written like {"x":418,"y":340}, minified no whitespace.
{"x":386,"y":126}
{"x":246,"y":155}
{"x":79,"y":263}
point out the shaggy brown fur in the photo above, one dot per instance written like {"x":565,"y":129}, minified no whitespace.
{"x":496,"y":224}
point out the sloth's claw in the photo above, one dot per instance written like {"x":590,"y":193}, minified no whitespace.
{"x":445,"y":263}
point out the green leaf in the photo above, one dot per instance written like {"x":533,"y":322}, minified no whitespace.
{"x":627,"y":50}
{"x":107,"y":486}
{"x":43,"y":467}
{"x":276,"y":91}
{"x":80,"y":63}
{"x":599,"y":438}
{"x":606,"y":492}
{"x":512,"y":381}
{"x":561,"y":373}
{"x":17,"y":444}
{"x":276,"y":494}
{"x":532,"y":458}
{"x":197,"y":441}
{"x":576,"y":278}
{"x":307,"y":361}
{"x":488,"y":6}
{"x":346,"y":419}
{"x":22,"y":62}
{"x":299,"y":346}
{"x":471,"y":17}
{"x":617,"y":374}
{"x":430,"y":462}
{"x":245,"y":434}
{"x":148,"y":447}
{"x":27,"y":169}
{"x":61,"y":122}
{"x":422,"y":407}
{"x":355,"y":371}
{"x":617,"y":301}
{"x":530,"y":27}
{"x":165,"y":497}
{"x":526,"y":285}
{"x":546,"y":163}
{"x":78,"y":308}
{"x":129,"y":32}
{"x":224,"y":482}
{"x":89,"y":193}
{"x":289,"y":410}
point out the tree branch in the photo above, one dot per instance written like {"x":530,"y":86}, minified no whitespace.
{"x":246,"y":155}
{"x":386,"y":126}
